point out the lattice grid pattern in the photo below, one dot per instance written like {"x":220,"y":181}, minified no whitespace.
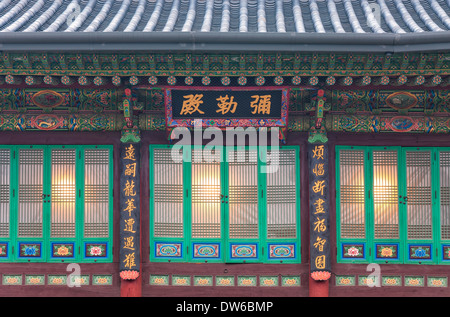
{"x":63,"y":193}
{"x":30,"y":211}
{"x":168,"y":194}
{"x":243,"y":192}
{"x":5,"y":185}
{"x":385,"y":194}
{"x":96,"y":193}
{"x":206,"y":199}
{"x":418,"y":184}
{"x":352,"y":196}
{"x":281,"y":196}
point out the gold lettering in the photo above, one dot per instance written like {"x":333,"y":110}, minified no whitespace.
{"x":320,"y":243}
{"x":319,"y":186}
{"x":129,"y":224}
{"x":130,"y":206}
{"x":319,"y":225}
{"x":129,"y":189}
{"x":320,"y":261}
{"x":129,"y":153}
{"x":225,"y":106}
{"x":261,"y":104}
{"x":318,"y":152}
{"x":318,"y":170}
{"x":128,"y":243}
{"x":319,"y":206}
{"x":130,"y":260}
{"x":130,"y":170}
{"x":191,"y":104}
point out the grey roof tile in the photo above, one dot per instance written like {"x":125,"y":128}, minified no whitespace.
{"x":247,"y":16}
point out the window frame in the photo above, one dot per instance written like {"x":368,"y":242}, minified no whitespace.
{"x":79,"y":242}
{"x":369,"y":243}
{"x":187,"y":241}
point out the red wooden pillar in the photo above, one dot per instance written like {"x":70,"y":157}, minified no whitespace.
{"x":131,"y":288}
{"x":318,"y":288}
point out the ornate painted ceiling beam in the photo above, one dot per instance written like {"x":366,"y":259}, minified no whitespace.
{"x":337,"y":98}
{"x":195,"y":64}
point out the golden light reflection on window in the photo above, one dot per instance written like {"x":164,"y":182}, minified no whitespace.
{"x":63,"y":188}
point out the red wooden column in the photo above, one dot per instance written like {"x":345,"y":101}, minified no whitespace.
{"x":318,"y":288}
{"x":131,"y":288}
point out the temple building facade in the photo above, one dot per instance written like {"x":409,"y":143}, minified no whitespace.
{"x":255,"y":148}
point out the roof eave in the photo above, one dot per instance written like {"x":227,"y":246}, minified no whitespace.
{"x":224,"y":42}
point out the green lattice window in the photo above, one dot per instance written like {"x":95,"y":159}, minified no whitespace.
{"x":55,"y":203}
{"x":393,"y":204}
{"x":224,"y":205}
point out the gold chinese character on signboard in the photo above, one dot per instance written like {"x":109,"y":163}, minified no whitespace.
{"x":261,"y":104}
{"x":129,"y":224}
{"x":319,"y":244}
{"x":129,"y":260}
{"x":130,"y":206}
{"x":129,"y":189}
{"x":318,"y":204}
{"x":319,"y":186}
{"x":128,"y":243}
{"x":318,"y":170}
{"x":130,"y":169}
{"x":319,"y":225}
{"x":320,"y":261}
{"x":129,"y":154}
{"x":318,"y":152}
{"x":192,"y":104}
{"x":226,"y":105}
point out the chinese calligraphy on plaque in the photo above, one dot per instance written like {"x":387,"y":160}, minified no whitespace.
{"x":129,"y":207}
{"x":318,"y":206}
{"x":226,"y":104}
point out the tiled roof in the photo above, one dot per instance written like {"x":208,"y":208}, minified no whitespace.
{"x":251,"y":16}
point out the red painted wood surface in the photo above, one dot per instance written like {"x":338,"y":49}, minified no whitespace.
{"x":131,"y":288}
{"x":318,"y":288}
